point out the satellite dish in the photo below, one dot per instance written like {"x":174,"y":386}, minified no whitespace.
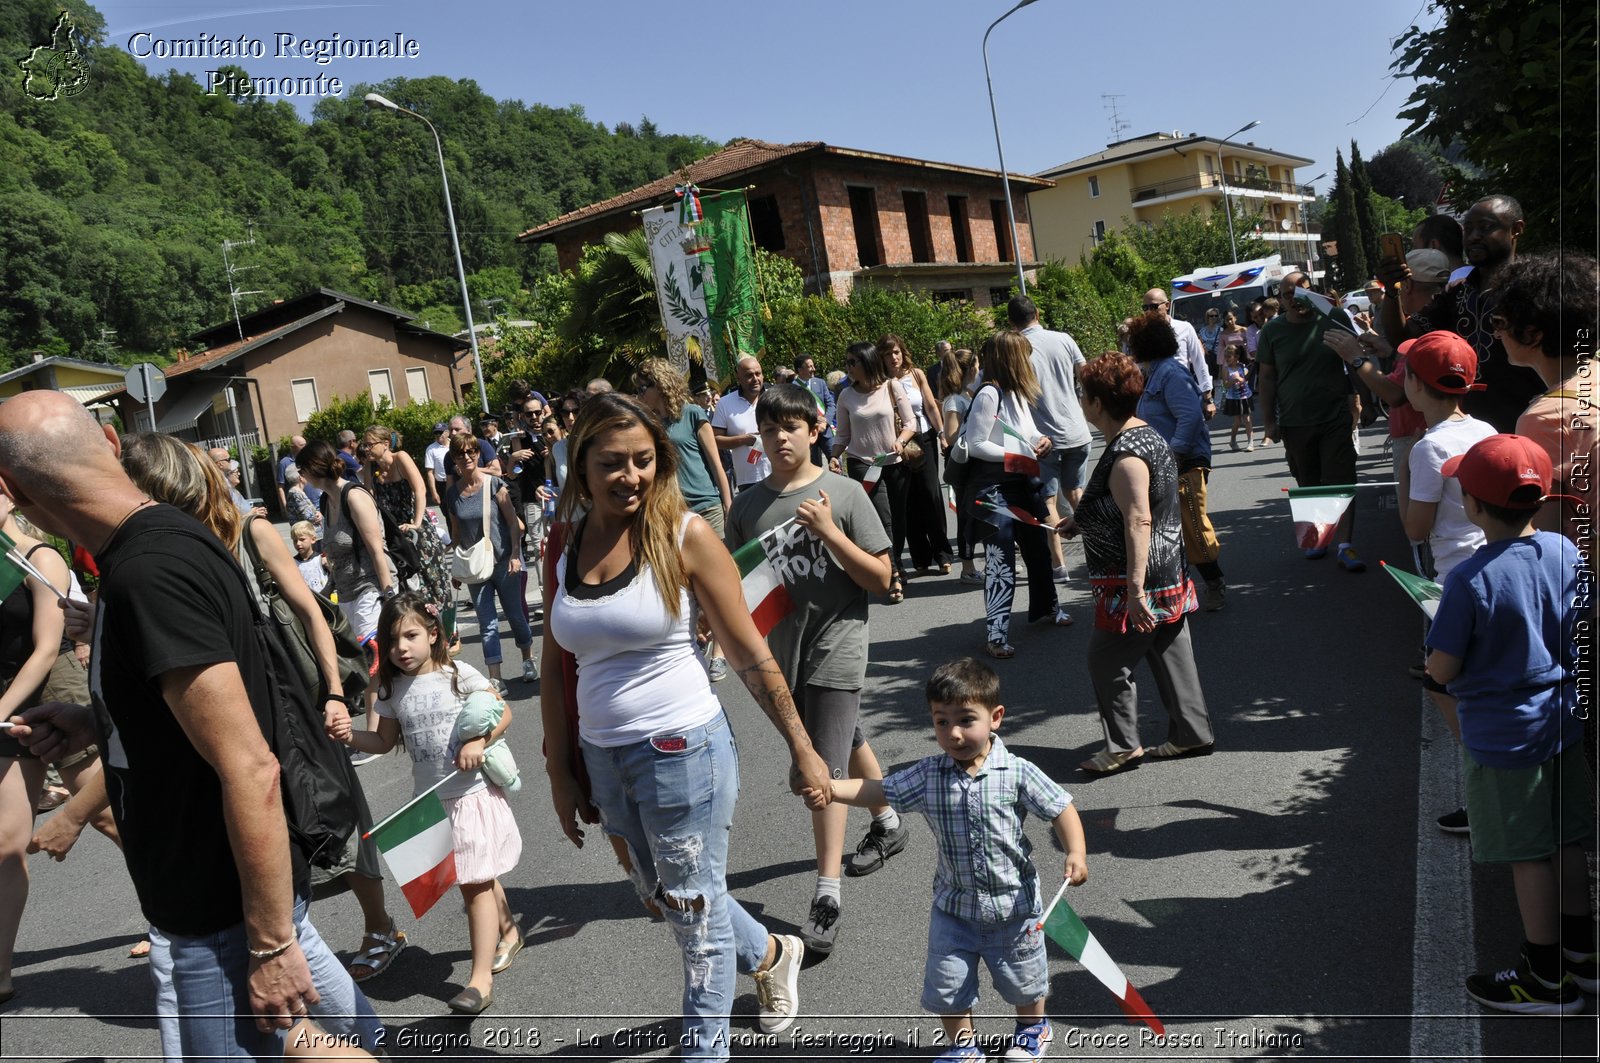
{"x":1284,"y":225}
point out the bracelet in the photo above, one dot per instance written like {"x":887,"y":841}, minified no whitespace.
{"x":267,"y":954}
{"x":340,"y":698}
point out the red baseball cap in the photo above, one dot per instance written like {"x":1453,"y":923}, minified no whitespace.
{"x":1443,"y":361}
{"x":1504,"y":470}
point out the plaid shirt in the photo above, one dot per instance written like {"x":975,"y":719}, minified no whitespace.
{"x":986,"y":872}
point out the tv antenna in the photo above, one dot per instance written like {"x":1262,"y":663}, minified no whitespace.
{"x":1118,"y":125}
{"x":234,"y":292}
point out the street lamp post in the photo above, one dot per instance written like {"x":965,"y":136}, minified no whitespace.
{"x":1227,"y":206}
{"x":1305,"y":225}
{"x":372,"y":99}
{"x":1005,"y":180}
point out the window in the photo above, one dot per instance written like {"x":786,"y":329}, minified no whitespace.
{"x":1094,"y":188}
{"x":417,"y":385}
{"x":962,"y":229}
{"x":766,"y":224}
{"x":953,"y":295}
{"x":378,"y":384}
{"x":1099,"y":232}
{"x":305,"y":398}
{"x":917,"y":228}
{"x":999,"y":296}
{"x":864,"y":216}
{"x":1002,"y":230}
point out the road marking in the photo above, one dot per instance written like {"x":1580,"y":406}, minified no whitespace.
{"x":1443,"y":948}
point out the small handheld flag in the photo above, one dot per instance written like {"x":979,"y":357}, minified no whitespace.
{"x":1424,"y":592}
{"x":1064,"y":927}
{"x":417,"y":845}
{"x":1019,"y":456}
{"x":1316,"y":512}
{"x":874,"y":473}
{"x":996,"y":513}
{"x":1324,"y":306}
{"x":765,"y":594}
{"x":14,"y":568}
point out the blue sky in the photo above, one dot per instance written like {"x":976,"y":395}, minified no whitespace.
{"x":903,"y":77}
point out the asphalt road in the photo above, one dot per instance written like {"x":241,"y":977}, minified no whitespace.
{"x":1265,"y":900}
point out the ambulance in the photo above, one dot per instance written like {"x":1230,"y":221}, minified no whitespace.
{"x":1223,"y":288}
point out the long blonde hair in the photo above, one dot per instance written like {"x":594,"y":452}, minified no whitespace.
{"x":665,"y":378}
{"x":1006,"y":363}
{"x":177,"y":472}
{"x":654,"y":531}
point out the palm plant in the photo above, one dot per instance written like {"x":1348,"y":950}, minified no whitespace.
{"x":614,"y":323}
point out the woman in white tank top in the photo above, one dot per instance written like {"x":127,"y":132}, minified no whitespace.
{"x":662,"y":771}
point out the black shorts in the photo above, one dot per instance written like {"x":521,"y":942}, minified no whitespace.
{"x":1238,"y":407}
{"x":1320,"y":455}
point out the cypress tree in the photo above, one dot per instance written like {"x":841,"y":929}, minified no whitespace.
{"x":1352,"y":271}
{"x":1361,"y":185}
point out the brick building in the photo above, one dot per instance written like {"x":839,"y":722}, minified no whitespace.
{"x":296,"y":355}
{"x":844,"y":215}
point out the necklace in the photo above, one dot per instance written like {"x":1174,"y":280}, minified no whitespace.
{"x":120,"y":523}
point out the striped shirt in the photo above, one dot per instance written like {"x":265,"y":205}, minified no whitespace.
{"x":986,"y":872}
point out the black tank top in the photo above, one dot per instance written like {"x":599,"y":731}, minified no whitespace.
{"x":16,"y":627}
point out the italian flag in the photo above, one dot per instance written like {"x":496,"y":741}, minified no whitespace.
{"x":1325,"y":308}
{"x":1019,"y":451}
{"x":874,"y":473}
{"x":1068,"y":931}
{"x":1316,"y":512}
{"x":755,"y":453}
{"x":764,"y":592}
{"x":417,"y":846}
{"x":989,"y":510}
{"x":1424,"y":592}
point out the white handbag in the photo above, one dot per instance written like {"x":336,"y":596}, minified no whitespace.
{"x":475,"y":563}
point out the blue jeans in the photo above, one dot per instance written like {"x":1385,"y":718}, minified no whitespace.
{"x":203,"y":1003}
{"x":1013,"y":951}
{"x":508,"y":587}
{"x":671,"y":799}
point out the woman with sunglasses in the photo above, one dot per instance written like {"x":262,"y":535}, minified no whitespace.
{"x":867,"y":439}
{"x":921,"y":523}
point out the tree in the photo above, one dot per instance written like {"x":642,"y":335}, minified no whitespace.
{"x":1515,"y":81}
{"x":1350,"y":264}
{"x":1361,"y":189}
{"x":1411,"y":170}
{"x":1184,"y":242}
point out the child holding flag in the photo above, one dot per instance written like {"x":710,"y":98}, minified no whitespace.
{"x":818,"y":533}
{"x":986,"y":905}
{"x":421,"y":691}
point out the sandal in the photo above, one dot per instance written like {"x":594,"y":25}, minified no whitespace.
{"x":505,"y":952}
{"x":897,"y":589}
{"x":1169,"y":751}
{"x":974,"y":577}
{"x":375,"y":960}
{"x":141,"y":949}
{"x":1001,"y":651}
{"x":1106,"y":762}
{"x":944,"y":568}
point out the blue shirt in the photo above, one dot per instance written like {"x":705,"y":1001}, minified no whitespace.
{"x":1171,"y":403}
{"x":352,"y":467}
{"x":986,"y":872}
{"x":819,"y":387}
{"x":1510,"y":613}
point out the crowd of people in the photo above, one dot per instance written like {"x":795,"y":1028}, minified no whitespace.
{"x":642,"y":515}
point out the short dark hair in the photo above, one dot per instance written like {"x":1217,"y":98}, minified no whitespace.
{"x":1504,"y":204}
{"x":1509,"y":516}
{"x":782,"y":403}
{"x":1114,"y":381}
{"x":1151,"y":338}
{"x":1440,"y":229}
{"x":1555,"y":294}
{"x":964,"y":681}
{"x":1021,"y":310}
{"x":802,"y":359}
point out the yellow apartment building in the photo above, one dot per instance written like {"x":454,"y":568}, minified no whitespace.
{"x":1140,"y":179}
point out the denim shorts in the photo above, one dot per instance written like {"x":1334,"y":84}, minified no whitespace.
{"x":1064,"y":469}
{"x":1013,"y":950}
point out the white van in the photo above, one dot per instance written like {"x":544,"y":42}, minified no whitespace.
{"x":1223,"y":288}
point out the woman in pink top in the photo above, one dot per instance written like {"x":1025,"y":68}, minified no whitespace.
{"x":867,"y":442}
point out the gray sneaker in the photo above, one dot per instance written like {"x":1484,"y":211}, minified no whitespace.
{"x":1215,"y":595}
{"x":876,"y":848}
{"x":718,"y":669}
{"x":822,"y":926}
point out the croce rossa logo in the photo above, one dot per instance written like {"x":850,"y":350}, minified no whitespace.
{"x":56,"y":70}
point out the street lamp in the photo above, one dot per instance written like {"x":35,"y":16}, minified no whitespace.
{"x":1005,"y":181}
{"x":1233,"y":245}
{"x":372,"y":99}
{"x":1305,"y":225}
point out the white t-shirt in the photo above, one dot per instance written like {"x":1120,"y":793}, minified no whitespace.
{"x":1453,"y":537}
{"x":736,"y":416}
{"x":434,"y":459}
{"x":1192,"y":353}
{"x":427,"y":708}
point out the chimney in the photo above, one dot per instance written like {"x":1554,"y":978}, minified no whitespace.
{"x":183,"y":354}
{"x":38,"y":356}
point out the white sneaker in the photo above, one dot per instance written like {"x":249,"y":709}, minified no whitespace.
{"x":778,"y":987}
{"x":358,"y":758}
{"x":499,"y":686}
{"x":530,"y":671}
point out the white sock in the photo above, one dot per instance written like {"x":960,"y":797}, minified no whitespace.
{"x":828,"y":887}
{"x":888,"y":819}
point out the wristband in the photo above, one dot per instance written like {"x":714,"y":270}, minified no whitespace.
{"x":267,"y":954}
{"x":340,"y":698}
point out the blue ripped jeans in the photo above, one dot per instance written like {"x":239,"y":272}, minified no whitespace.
{"x":507,"y":586}
{"x":672,"y":802}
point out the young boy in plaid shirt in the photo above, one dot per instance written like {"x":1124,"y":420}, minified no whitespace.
{"x":986,"y":902}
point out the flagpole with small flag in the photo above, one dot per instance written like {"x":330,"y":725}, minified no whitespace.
{"x":1064,"y":927}
{"x":1424,"y":592}
{"x":418,"y":847}
{"x":1019,"y":455}
{"x":15,"y":568}
{"x":869,"y":480}
{"x":765,"y":594}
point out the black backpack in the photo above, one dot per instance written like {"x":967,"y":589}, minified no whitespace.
{"x":322,"y":801}
{"x":402,"y":551}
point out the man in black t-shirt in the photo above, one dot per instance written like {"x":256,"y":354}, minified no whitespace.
{"x":180,"y":694}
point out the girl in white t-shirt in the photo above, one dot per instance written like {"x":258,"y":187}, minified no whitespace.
{"x":421,"y":691}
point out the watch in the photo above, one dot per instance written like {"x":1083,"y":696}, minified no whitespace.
{"x":1360,"y":361}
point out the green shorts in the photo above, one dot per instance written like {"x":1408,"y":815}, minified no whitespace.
{"x":1521,"y":815}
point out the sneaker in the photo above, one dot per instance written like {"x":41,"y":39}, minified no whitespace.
{"x":1583,"y":970}
{"x":876,"y":848}
{"x":530,"y":670}
{"x":1348,"y":559}
{"x":778,"y":987}
{"x":1417,"y":671}
{"x":500,"y":687}
{"x":1454,"y":822}
{"x":1249,"y":447}
{"x":974,"y":577}
{"x":1234,"y":445}
{"x":1059,"y":574}
{"x":1031,"y":1043}
{"x":718,"y":669}
{"x":1215,"y":595}
{"x":358,"y":758}
{"x":822,"y":926}
{"x":1316,"y":553}
{"x":962,"y":1053}
{"x":1518,"y":989}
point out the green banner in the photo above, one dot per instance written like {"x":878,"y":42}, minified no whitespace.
{"x":733,"y":298}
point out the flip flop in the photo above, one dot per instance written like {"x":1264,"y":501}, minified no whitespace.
{"x":1106,"y":762}
{"x":141,"y":948}
{"x":1169,"y":751}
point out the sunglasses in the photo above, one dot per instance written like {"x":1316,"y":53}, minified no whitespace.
{"x":1152,"y":307}
{"x":852,"y":361}
{"x":570,"y":411}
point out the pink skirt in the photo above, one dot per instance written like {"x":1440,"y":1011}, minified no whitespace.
{"x":487,"y":841}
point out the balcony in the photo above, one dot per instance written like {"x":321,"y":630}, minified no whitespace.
{"x":1211,"y":179}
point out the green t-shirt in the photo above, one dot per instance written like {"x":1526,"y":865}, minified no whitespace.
{"x":694,"y":478}
{"x":1312,"y":386}
{"x":823,"y":640}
